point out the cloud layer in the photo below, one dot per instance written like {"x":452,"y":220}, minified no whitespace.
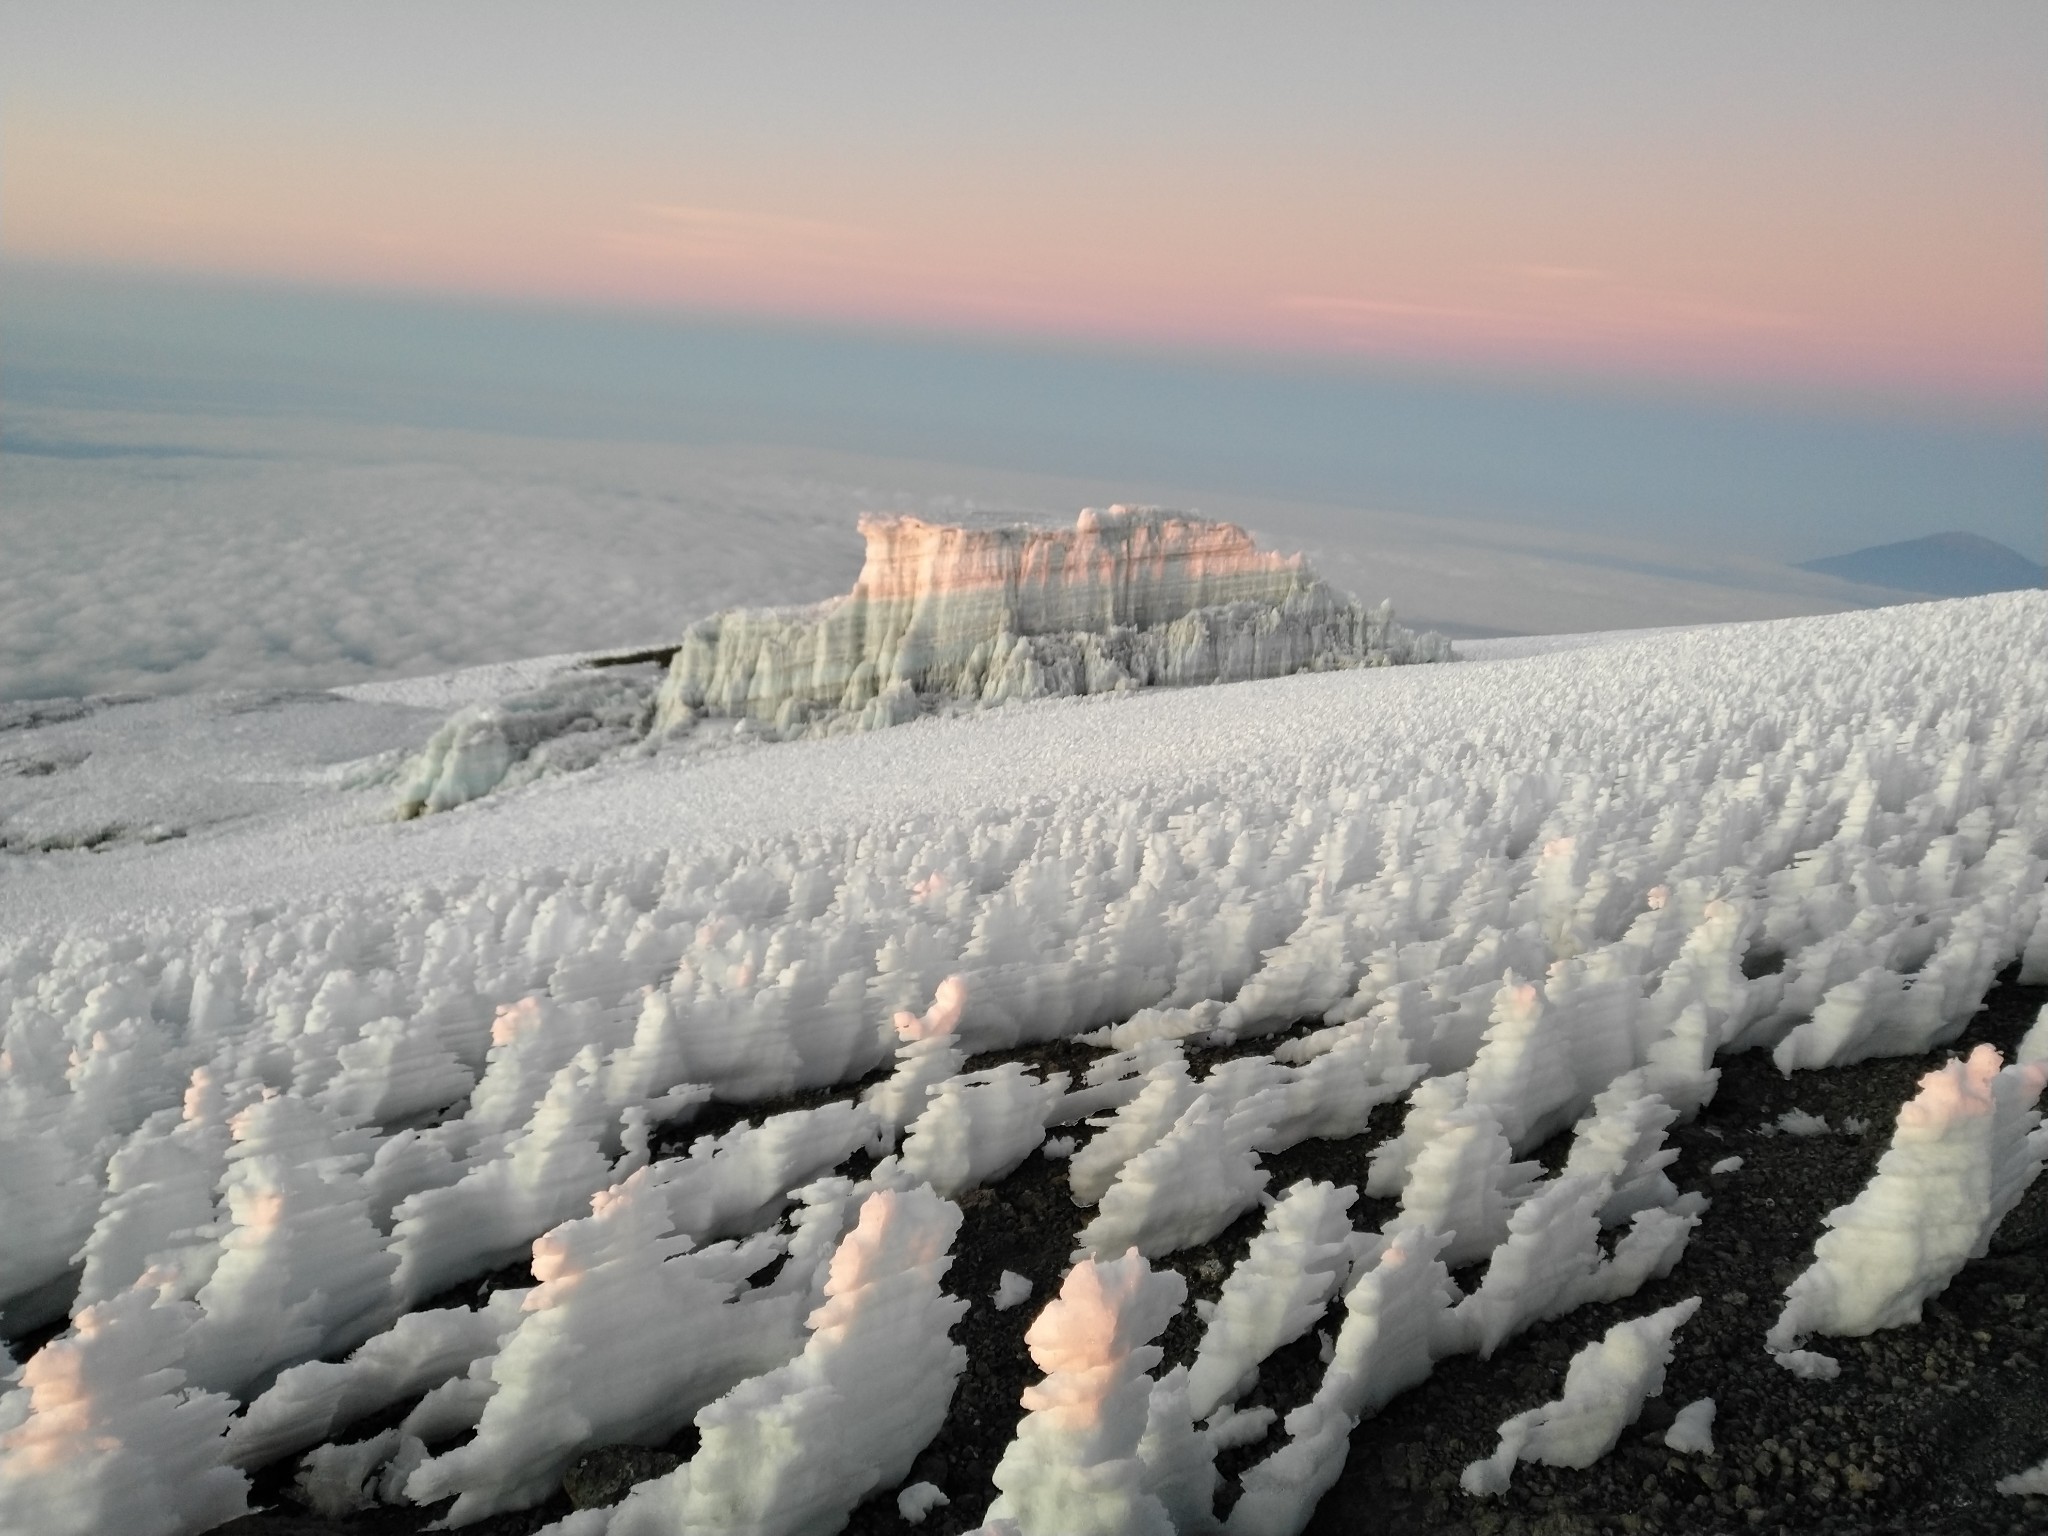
{"x":162,"y":553}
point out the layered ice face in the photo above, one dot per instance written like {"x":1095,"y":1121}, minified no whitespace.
{"x":943,"y":618}
{"x":1128,"y":567}
{"x":1124,"y":598}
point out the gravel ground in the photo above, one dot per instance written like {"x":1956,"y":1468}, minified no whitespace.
{"x":1909,"y":1439}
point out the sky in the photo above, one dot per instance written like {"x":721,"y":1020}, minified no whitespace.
{"x":1532,"y":319}
{"x":1847,"y":197}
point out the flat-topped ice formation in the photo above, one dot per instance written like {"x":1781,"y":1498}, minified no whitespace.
{"x":1127,"y":598}
{"x":942,"y":617}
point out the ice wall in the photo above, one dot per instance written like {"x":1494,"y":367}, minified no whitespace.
{"x":566,"y":723}
{"x":1125,"y":598}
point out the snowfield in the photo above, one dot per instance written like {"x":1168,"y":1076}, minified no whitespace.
{"x":284,"y":1078}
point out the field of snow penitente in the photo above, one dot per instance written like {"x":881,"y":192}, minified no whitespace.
{"x":1484,"y":1097}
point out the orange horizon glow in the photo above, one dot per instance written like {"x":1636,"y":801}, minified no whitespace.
{"x":1912,"y":267}
{"x":1597,"y":321}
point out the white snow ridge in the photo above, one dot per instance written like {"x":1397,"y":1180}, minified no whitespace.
{"x":314,"y":1122}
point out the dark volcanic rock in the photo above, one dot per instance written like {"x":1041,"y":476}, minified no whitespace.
{"x":1909,"y":1440}
{"x":604,"y":1475}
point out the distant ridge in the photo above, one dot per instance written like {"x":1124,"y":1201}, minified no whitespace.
{"x":1940,"y":565}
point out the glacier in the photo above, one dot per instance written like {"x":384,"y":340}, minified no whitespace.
{"x":942,"y":617}
{"x":1126,"y":598}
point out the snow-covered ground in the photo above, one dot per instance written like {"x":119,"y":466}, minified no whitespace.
{"x":281,"y":1070}
{"x":276,"y":794}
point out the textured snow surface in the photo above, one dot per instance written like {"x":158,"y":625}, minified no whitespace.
{"x":1966,"y":1148}
{"x":1605,"y":1387}
{"x":793,"y":1450}
{"x":1079,"y":1465}
{"x":270,"y":1088}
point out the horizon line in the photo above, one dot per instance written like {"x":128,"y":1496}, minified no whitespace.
{"x":1946,"y":403}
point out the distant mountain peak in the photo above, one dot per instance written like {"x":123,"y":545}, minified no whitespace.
{"x":1951,"y":564}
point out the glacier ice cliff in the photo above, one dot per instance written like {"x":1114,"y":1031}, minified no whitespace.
{"x":1127,"y":598}
{"x":943,"y":618}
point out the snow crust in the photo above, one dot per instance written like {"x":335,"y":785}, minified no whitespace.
{"x":2033,"y":1482}
{"x":315,"y":1401}
{"x":1297,"y":1263}
{"x":978,"y":1126}
{"x":1388,"y":1343}
{"x":622,"y":1341}
{"x":101,"y":1435}
{"x":919,"y":1500}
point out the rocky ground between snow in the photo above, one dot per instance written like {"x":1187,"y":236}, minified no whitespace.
{"x":1909,"y":1439}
